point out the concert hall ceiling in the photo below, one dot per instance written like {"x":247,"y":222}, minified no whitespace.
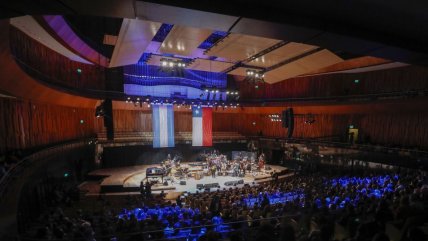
{"x":214,"y":40}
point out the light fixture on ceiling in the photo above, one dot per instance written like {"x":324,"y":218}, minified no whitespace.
{"x":255,"y":76}
{"x":171,"y":63}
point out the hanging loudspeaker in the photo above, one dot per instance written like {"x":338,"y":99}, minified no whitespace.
{"x":290,"y":119}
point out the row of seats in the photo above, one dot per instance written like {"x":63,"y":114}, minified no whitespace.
{"x":184,"y":136}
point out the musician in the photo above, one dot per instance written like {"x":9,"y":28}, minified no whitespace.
{"x":262,"y":161}
{"x":213,"y":170}
{"x":242,"y":166}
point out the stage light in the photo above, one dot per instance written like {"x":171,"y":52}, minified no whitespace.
{"x":138,"y":98}
{"x":129,"y":98}
{"x":216,"y":91}
{"x":171,"y":64}
{"x":79,"y":71}
{"x":227,"y":92}
{"x":206,"y":90}
{"x":148,"y":105}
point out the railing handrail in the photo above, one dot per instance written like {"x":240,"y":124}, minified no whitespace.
{"x":5,"y":180}
{"x":341,"y":144}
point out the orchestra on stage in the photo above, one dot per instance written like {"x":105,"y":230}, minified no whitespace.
{"x":212,"y":164}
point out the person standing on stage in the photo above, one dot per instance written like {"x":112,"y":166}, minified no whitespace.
{"x":213,"y":170}
{"x":148,"y":190}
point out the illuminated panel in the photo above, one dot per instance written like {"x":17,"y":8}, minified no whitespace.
{"x":171,"y":91}
{"x":209,"y":65}
{"x":237,"y":47}
{"x":184,"y":40}
{"x":287,"y":51}
{"x":134,"y":37}
{"x":150,"y":75}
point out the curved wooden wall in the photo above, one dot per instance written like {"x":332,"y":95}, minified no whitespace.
{"x":26,"y":124}
{"x":382,"y":81}
{"x":17,"y":83}
{"x":54,"y":67}
{"x":401,"y":123}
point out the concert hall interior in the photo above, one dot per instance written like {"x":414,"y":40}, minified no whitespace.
{"x":126,"y":120}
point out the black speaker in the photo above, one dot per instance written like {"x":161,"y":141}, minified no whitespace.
{"x":182,"y":182}
{"x":290,"y":120}
{"x":200,"y":186}
{"x":284,"y":118}
{"x":108,"y":118}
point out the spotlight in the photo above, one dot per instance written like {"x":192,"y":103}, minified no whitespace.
{"x":227,"y":92}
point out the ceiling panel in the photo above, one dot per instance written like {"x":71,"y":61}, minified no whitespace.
{"x":134,"y":37}
{"x":209,"y":65}
{"x":183,"y":40}
{"x":237,"y":47}
{"x":239,"y":71}
{"x":301,"y":66}
{"x":285,"y":52}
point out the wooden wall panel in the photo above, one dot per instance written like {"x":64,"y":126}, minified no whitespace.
{"x":53,"y":66}
{"x":406,"y":128}
{"x":26,"y":124}
{"x":382,"y":81}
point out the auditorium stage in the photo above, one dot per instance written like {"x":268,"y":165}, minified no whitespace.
{"x":128,"y":179}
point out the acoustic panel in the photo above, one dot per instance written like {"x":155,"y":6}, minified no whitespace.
{"x":134,"y":37}
{"x":237,"y":47}
{"x":183,"y":40}
{"x":209,"y":65}
{"x":301,"y":66}
{"x":287,"y":51}
{"x":239,"y":71}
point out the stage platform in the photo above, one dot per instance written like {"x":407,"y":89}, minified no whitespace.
{"x":128,"y":179}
